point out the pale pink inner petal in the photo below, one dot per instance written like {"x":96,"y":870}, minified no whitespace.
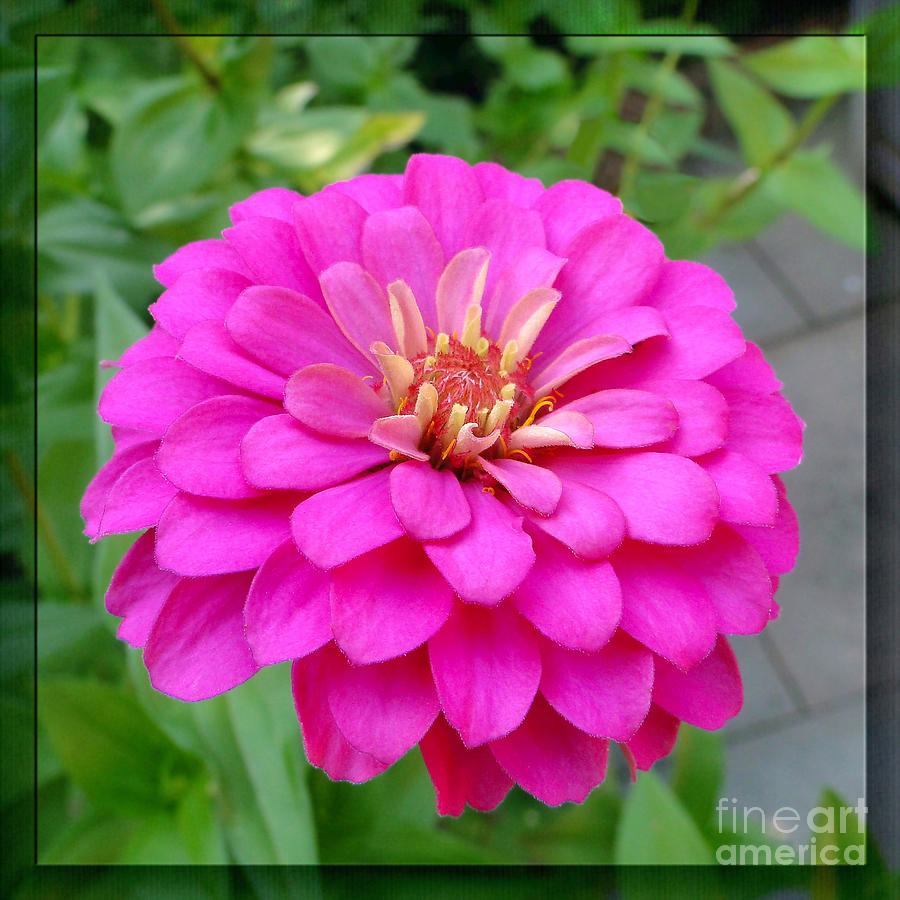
{"x":401,"y":434}
{"x":459,"y":286}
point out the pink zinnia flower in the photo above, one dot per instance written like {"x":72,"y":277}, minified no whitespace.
{"x":493,"y":472}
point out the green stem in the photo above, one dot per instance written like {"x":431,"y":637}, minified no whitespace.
{"x":750,"y":179}
{"x":170,"y":23}
{"x":653,"y":106}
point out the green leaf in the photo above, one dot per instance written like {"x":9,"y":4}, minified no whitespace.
{"x":644,"y":75}
{"x":882,"y":31}
{"x":810,"y":184}
{"x":699,"y":764}
{"x":710,"y":44}
{"x":341,"y":60}
{"x":812,"y":65}
{"x":535,"y":68}
{"x":109,"y":747}
{"x":661,"y":196}
{"x":656,"y":830}
{"x":762,"y":125}
{"x":94,"y":839}
{"x":199,"y":828}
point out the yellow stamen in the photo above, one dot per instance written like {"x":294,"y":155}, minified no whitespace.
{"x":509,"y":358}
{"x":508,"y":391}
{"x":498,"y":415}
{"x":401,"y":405}
{"x":547,"y":401}
{"x":394,"y":455}
{"x":520,"y":451}
{"x":426,"y":404}
{"x":456,"y":420}
{"x":442,"y":343}
{"x":472,"y":327}
{"x":482,"y":347}
{"x":449,"y":447}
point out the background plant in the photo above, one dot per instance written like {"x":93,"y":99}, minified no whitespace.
{"x":142,"y":143}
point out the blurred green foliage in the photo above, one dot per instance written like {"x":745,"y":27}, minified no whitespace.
{"x":142,"y":144}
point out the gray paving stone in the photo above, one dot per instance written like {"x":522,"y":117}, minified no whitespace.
{"x":765,"y":697}
{"x":821,"y":630}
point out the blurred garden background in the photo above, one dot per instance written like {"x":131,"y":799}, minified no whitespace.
{"x":735,"y":136}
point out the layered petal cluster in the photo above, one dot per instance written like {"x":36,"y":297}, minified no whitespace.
{"x":494,"y":473}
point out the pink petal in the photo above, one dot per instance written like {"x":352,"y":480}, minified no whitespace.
{"x":158,"y":342}
{"x":387,"y":602}
{"x":702,"y":415}
{"x":576,"y":358}
{"x":372,"y":192}
{"x":446,"y":190}
{"x":708,"y":695}
{"x":746,"y":493}
{"x":663,"y":606}
{"x":627,"y":418}
{"x":748,"y":372}
{"x":286,"y":331}
{"x":461,"y":775}
{"x":386,"y":708}
{"x":779,"y":544}
{"x":358,"y":305}
{"x":552,"y":759}
{"x":487,"y":666}
{"x":531,"y":486}
{"x":488,"y":560}
{"x":333,"y":400}
{"x":197,"y":647}
{"x":200,"y":451}
{"x":323,"y":742}
{"x":533,"y":268}
{"x":276,"y":203}
{"x":574,"y":426}
{"x":764,"y":429}
{"x":430,"y":504}
{"x":151,"y":394}
{"x":400,"y":244}
{"x":507,"y":231}
{"x":402,"y":434}
{"x":684,"y":283}
{"x":521,"y":312}
{"x":498,"y":182}
{"x":138,"y":590}
{"x":329,"y":227}
{"x":205,"y":536}
{"x":272,"y":252}
{"x":136,"y":500}
{"x":198,"y":296}
{"x":456,"y":288}
{"x":214,"y":254}
{"x":575,"y":603}
{"x":287,"y":613}
{"x":585,"y":520}
{"x":735,"y":579}
{"x":343,"y":522}
{"x":279,"y":452}
{"x":568,"y":206}
{"x":606,"y":693}
{"x":666,"y":499}
{"x":209,"y":347}
{"x":654,"y":739}
{"x":94,"y":498}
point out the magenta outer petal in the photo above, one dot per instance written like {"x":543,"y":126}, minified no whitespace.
{"x":708,"y":695}
{"x":323,"y":742}
{"x":663,"y":606}
{"x":666,"y":499}
{"x":198,"y":296}
{"x":205,"y":536}
{"x":276,"y":203}
{"x":461,"y":775}
{"x":605,"y":694}
{"x":627,"y":418}
{"x":552,"y":759}
{"x":531,"y":486}
{"x":279,"y":452}
{"x":779,"y":544}
{"x":136,"y":500}
{"x":446,"y":190}
{"x":158,"y":342}
{"x":430,"y":504}
{"x":487,"y":666}
{"x":94,"y":499}
{"x":197,"y":647}
{"x":343,"y":522}
{"x":684,"y":283}
{"x":586,"y":520}
{"x":386,"y":708}
{"x":151,"y":394}
{"x":498,"y":182}
{"x":286,"y":331}
{"x":488,"y":560}
{"x":329,"y":226}
{"x":213,"y":254}
{"x":702,"y":415}
{"x":372,"y":192}
{"x":287,"y":614}
{"x":764,"y":429}
{"x":333,"y":400}
{"x":575,"y":359}
{"x":575,"y":603}
{"x":568,"y":206}
{"x":138,"y":590}
{"x":748,"y":372}
{"x":200,"y":451}
{"x":654,"y":739}
{"x":387,"y":603}
{"x":746,"y":493}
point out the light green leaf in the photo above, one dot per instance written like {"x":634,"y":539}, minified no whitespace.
{"x":661,"y":196}
{"x":812,"y":65}
{"x":810,"y":184}
{"x":699,"y":763}
{"x":341,"y":60}
{"x":688,"y":45}
{"x":644,"y":75}
{"x":656,"y":830}
{"x":94,"y":839}
{"x":535,"y":68}
{"x":199,"y":828}
{"x":762,"y":125}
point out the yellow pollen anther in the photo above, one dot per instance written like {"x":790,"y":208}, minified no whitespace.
{"x":508,"y":392}
{"x":442,"y":343}
{"x":472,"y":327}
{"x":547,"y":401}
{"x":429,"y":362}
{"x":394,"y":455}
{"x":489,"y":490}
{"x":520,"y":451}
{"x":482,"y":347}
{"x":509,"y":358}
